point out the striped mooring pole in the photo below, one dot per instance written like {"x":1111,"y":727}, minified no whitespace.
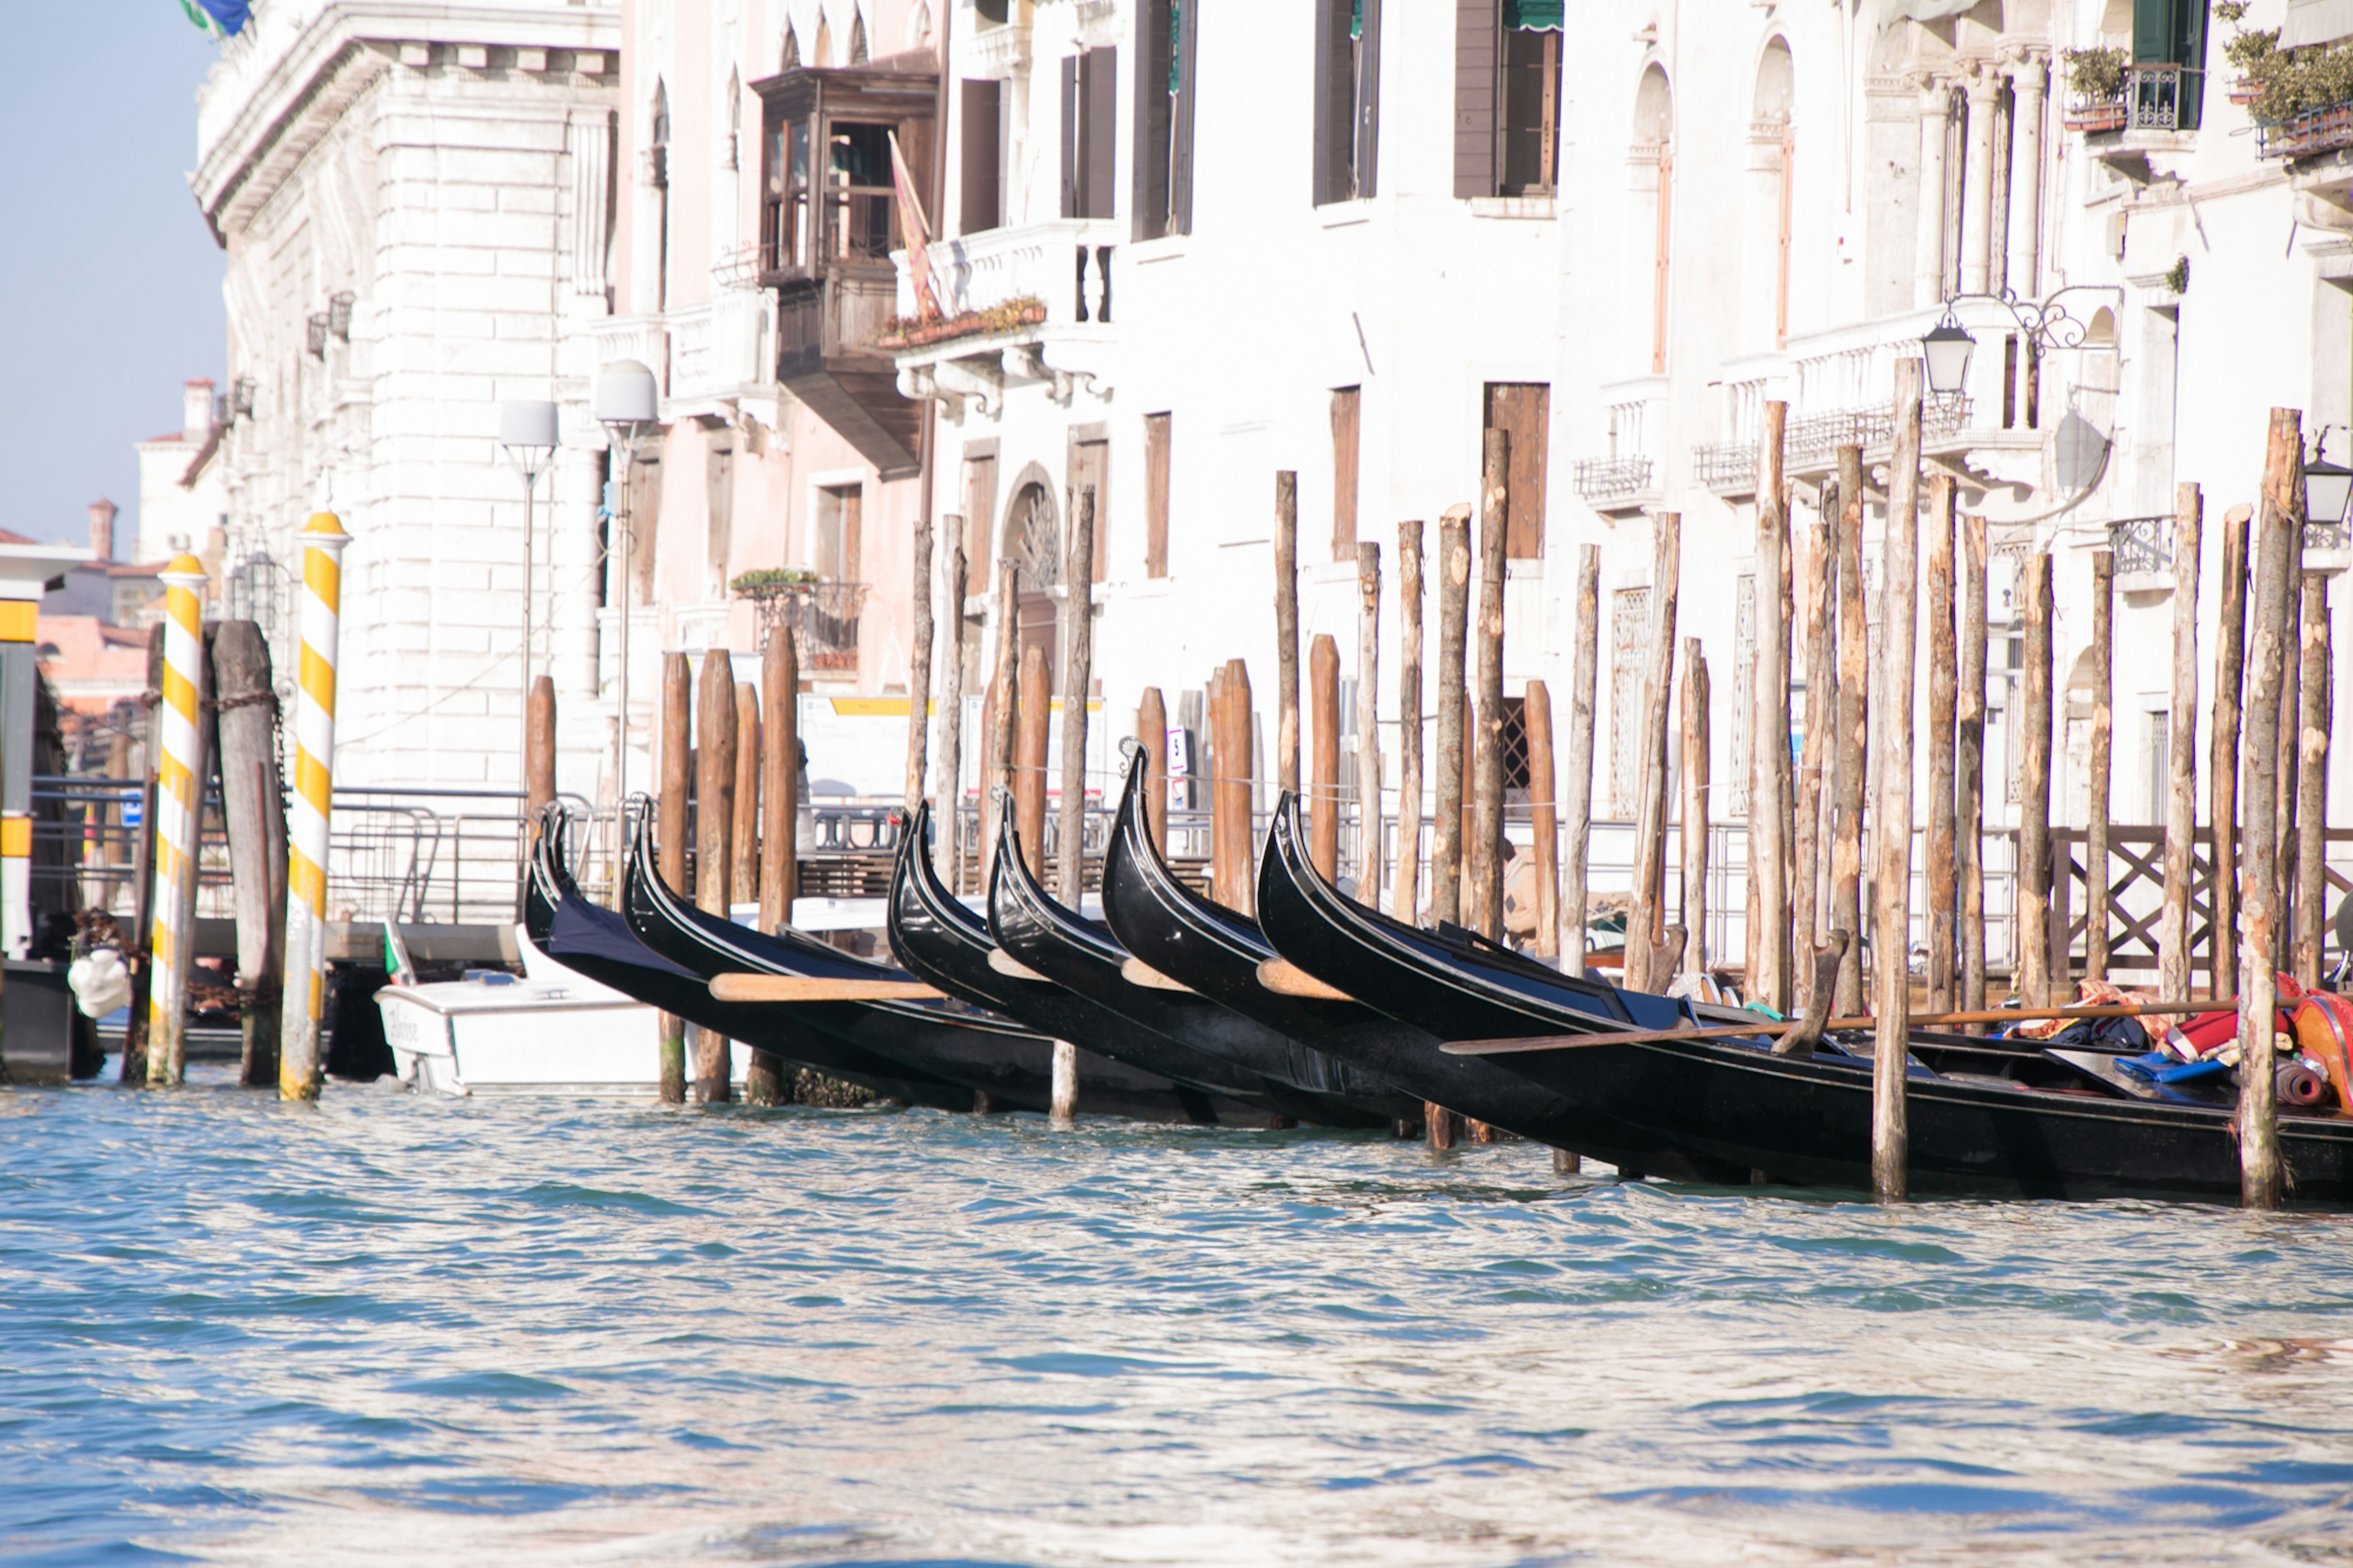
{"x":299,"y":1065}
{"x":179,"y":817}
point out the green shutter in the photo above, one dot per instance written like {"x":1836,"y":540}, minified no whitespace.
{"x":2153,"y":31}
{"x":1533,"y":15}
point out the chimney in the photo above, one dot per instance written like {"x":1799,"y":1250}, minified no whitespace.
{"x":196,"y":412}
{"x":101,"y":530}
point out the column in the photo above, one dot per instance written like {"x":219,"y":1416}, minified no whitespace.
{"x":1977,"y":183}
{"x":1935,"y":106}
{"x":2027,"y":80}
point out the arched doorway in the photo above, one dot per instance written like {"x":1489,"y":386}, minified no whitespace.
{"x":1033,"y":543}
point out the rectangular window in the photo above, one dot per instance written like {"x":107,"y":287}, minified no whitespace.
{"x":1522,"y":411}
{"x":1155,"y":495}
{"x":1163,"y":117}
{"x":1090,"y":464}
{"x":2160,"y":767}
{"x":981,"y":203}
{"x":1347,"y":405}
{"x":839,"y":512}
{"x":1347,"y":92}
{"x":1090,"y":96}
{"x":1630,"y":648}
{"x":719,"y":495}
{"x":979,"y":513}
{"x":1507,"y":97}
{"x":644,"y":520}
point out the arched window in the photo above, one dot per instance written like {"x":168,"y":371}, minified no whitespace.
{"x":919,"y":26}
{"x":1774,"y":145}
{"x":792,"y":56}
{"x":660,"y":149}
{"x":1033,"y":543}
{"x":1654,"y":146}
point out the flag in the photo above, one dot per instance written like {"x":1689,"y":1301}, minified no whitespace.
{"x":918,"y":235}
{"x":224,"y":16}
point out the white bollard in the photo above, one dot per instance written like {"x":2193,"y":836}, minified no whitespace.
{"x":298,"y":1066}
{"x":179,"y":818}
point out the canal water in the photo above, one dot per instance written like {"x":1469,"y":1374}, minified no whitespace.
{"x":396,"y":1329}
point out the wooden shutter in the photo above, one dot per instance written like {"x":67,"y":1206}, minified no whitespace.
{"x":2153,"y":30}
{"x":1659,"y":259}
{"x":1153,"y":63}
{"x":1155,"y":495}
{"x":1367,"y":128}
{"x":1090,"y":464}
{"x":1478,"y":29}
{"x":1099,"y":85}
{"x":1071,"y":131}
{"x":1522,"y":410}
{"x":1180,"y":150}
{"x":1331,"y":92}
{"x":978,"y":202}
{"x":1348,"y":407}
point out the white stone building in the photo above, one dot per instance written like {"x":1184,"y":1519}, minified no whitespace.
{"x":181,"y":502}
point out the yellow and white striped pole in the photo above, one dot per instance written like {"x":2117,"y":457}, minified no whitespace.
{"x":179,"y":817}
{"x":314,"y":776}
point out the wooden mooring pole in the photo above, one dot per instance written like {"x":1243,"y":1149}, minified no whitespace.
{"x":1695,"y":706}
{"x":1405,"y":886}
{"x":1033,"y":709}
{"x":1968,"y":767}
{"x":1486,"y":847}
{"x":1767,"y":980}
{"x":143,"y":860}
{"x":1323,"y":772}
{"x":1585,"y":674}
{"x":1286,"y":630}
{"x":2173,"y":933}
{"x":947,"y":779}
{"x":2222,"y":766}
{"x":1646,"y":928}
{"x":1370,"y":850}
{"x":2311,"y":782}
{"x":1943,"y":716}
{"x":669,"y":840}
{"x":2260,"y":1173}
{"x":1233,"y":867}
{"x":2291,"y":755}
{"x":1854,"y":749}
{"x":2034,"y":868}
{"x":1152,"y":734}
{"x":1891,"y":972}
{"x":1543,"y":816}
{"x":997,"y":723}
{"x":919,"y":667}
{"x":744,"y":869}
{"x":539,"y":774}
{"x":780,"y":779}
{"x":715,"y":824}
{"x":254,"y":804}
{"x":1071,"y":827}
{"x":2099,"y":903}
{"x":1822,"y":708}
{"x":1454,"y":630}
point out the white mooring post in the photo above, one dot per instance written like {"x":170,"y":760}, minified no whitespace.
{"x":314,"y":779}
{"x":179,"y":817}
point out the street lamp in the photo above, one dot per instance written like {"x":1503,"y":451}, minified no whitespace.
{"x":2328,"y":487}
{"x":527,"y":435}
{"x":1946,"y":350}
{"x":2044,"y":324}
{"x":627,"y":403}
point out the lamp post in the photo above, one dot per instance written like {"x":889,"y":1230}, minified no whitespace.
{"x":527,"y":435}
{"x":628,"y":406}
{"x":2328,"y":487}
{"x":1946,"y":348}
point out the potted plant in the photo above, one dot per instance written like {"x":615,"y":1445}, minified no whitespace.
{"x":2096,"y":78}
{"x":772,"y":582}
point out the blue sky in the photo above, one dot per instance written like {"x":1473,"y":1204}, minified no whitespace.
{"x":110,"y":282}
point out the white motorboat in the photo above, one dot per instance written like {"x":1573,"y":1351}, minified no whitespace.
{"x":551,"y":1031}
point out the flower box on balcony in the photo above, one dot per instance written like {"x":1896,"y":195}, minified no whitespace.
{"x":2092,"y":118}
{"x":905,"y":333}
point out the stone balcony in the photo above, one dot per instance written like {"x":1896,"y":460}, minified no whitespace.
{"x":1028,"y":304}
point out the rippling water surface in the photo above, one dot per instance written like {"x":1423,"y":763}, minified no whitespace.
{"x":390,"y":1330}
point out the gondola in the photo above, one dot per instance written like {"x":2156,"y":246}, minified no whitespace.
{"x":1084,"y":956}
{"x":942,"y":941}
{"x":1986,"y":1119}
{"x":982,"y":1050}
{"x":1216,"y":950}
{"x":599,"y":944}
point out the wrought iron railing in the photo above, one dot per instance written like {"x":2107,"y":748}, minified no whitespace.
{"x":2327,"y":536}
{"x":1612,"y":479}
{"x":2324,"y":130}
{"x":822,"y":616}
{"x":1811,"y":440}
{"x":2162,"y":97}
{"x":1727,"y":467}
{"x":2141,"y":544}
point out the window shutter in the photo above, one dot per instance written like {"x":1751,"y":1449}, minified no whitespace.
{"x":980,"y":184}
{"x":1180,"y":152}
{"x":1102,"y":88}
{"x":2153,"y":30}
{"x":1477,"y":26}
{"x":1368,"y":129}
{"x":1070,"y":136}
{"x":1328,"y":173}
{"x":1152,"y":119}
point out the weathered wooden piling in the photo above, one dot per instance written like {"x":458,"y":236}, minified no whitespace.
{"x":2291,"y":758}
{"x":919,"y":662}
{"x":744,"y":869}
{"x":2222,"y":766}
{"x":996,"y":718}
{"x":1324,"y":770}
{"x":669,"y":841}
{"x":2173,"y":934}
{"x":2317,"y":690}
{"x":780,"y":779}
{"x":1768,"y":979}
{"x":1234,"y":869}
{"x":1286,"y":629}
{"x":1814,"y":601}
{"x":539,"y":741}
{"x":714,"y":848}
{"x":2099,"y":902}
{"x":1646,"y":919}
{"x":1543,"y":818}
{"x":1152,"y":734}
{"x":1943,"y":716}
{"x":1453,"y":629}
{"x":948,"y":778}
{"x":1369,"y":854}
{"x":1969,"y":768}
{"x":1695,"y":707}
{"x":180,"y":801}
{"x":1406,"y":899}
{"x":2034,"y":868}
{"x":1891,"y":972}
{"x":1585,"y":674}
{"x":254,"y":804}
{"x":1078,"y":678}
{"x":1033,"y":710}
{"x":1486,"y":845}
{"x":1853,"y":747}
{"x":2260,"y":1175}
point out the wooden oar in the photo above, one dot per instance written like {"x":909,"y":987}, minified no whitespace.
{"x":1780,"y":1028}
{"x":1285,"y":978}
{"x":809,"y":988}
{"x":1135,"y":971}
